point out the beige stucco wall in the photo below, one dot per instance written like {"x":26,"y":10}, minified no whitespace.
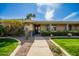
{"x":75,"y":27}
{"x":60,"y":27}
{"x":43,"y":27}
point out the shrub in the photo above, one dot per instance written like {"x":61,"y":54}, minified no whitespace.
{"x":12,"y":27}
{"x":13,"y":30}
{"x":59,"y":33}
{"x":2,"y":30}
{"x":54,"y":33}
{"x":74,"y":33}
{"x":45,"y":33}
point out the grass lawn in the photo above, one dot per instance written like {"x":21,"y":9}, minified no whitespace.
{"x":70,"y":45}
{"x":7,"y":46}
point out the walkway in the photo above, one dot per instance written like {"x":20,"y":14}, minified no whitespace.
{"x":25,"y":46}
{"x":39,"y":48}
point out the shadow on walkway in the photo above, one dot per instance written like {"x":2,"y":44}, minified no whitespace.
{"x":25,"y":45}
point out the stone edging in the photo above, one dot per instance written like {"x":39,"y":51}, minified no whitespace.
{"x":14,"y":52}
{"x":65,"y":52}
{"x":17,"y":48}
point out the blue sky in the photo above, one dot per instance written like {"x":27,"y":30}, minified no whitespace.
{"x":43,"y":11}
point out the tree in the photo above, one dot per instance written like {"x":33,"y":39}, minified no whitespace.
{"x":30,"y":16}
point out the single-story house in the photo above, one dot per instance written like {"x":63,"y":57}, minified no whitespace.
{"x":51,"y":25}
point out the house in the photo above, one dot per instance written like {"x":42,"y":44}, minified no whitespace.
{"x":37,"y":26}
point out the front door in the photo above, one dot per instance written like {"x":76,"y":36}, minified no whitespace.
{"x":36,"y":29}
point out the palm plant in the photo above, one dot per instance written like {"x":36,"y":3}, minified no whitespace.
{"x":30,"y":16}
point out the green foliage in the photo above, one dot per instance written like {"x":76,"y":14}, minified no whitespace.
{"x":2,"y":30}
{"x":30,"y":15}
{"x":59,"y":33}
{"x":12,"y":27}
{"x":74,"y":33}
{"x":7,"y":46}
{"x":14,"y":30}
{"x":45,"y":33}
{"x":56,"y":51}
{"x":54,"y":33}
{"x":70,"y":45}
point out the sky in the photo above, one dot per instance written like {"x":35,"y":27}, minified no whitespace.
{"x":43,"y":11}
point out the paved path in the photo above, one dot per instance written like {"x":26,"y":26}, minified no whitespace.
{"x":39,"y":48}
{"x":25,"y":46}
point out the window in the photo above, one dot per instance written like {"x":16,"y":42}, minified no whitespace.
{"x":53,"y":28}
{"x":48,"y":27}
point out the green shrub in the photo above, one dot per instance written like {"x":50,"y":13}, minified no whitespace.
{"x":14,"y":30}
{"x":12,"y":27}
{"x":11,"y":30}
{"x":2,"y":30}
{"x":54,"y":33}
{"x":59,"y":33}
{"x":19,"y":31}
{"x":45,"y":33}
{"x":74,"y":33}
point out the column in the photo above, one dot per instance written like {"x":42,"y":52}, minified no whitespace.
{"x":50,"y":27}
{"x":67,"y":27}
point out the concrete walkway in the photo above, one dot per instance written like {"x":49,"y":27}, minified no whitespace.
{"x":25,"y":46}
{"x":39,"y":48}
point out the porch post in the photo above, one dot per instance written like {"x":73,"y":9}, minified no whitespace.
{"x":67,"y":27}
{"x":50,"y":27}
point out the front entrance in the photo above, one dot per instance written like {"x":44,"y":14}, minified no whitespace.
{"x":36,"y":29}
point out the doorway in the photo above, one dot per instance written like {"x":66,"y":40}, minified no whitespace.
{"x":36,"y":29}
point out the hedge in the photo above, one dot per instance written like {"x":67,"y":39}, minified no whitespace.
{"x":11,"y":31}
{"x":2,"y":30}
{"x":59,"y":33}
{"x":45,"y":33}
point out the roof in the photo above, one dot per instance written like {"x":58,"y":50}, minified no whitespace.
{"x":54,"y":22}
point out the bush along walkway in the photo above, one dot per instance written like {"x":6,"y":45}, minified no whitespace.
{"x":39,"y":48}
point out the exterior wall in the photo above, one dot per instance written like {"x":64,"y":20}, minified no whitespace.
{"x":78,"y":27}
{"x":75,"y":27}
{"x":43,"y":27}
{"x":60,"y":27}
